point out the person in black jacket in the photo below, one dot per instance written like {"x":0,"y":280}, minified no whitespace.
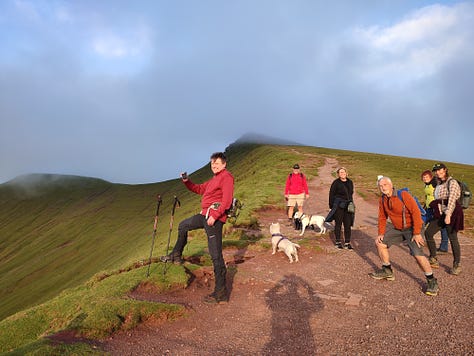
{"x":340,"y":194}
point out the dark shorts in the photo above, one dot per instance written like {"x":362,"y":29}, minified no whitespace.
{"x":394,"y":236}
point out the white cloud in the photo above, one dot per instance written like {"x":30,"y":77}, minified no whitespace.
{"x":145,"y":77}
{"x":111,"y":46}
{"x":416,"y":47}
{"x":124,"y":43}
{"x":428,"y":24}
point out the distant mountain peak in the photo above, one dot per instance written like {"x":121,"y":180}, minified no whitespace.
{"x":253,"y":137}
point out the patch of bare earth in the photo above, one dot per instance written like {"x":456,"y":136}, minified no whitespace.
{"x":324,"y":304}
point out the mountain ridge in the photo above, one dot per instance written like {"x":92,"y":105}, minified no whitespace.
{"x":97,"y":225}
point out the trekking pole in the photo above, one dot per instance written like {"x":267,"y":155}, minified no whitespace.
{"x":175,"y":203}
{"x":154,"y":233}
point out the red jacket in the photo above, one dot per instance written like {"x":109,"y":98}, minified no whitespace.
{"x":393,"y":208}
{"x":219,"y":189}
{"x":296,"y":184}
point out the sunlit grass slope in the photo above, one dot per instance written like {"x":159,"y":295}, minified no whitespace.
{"x":56,"y":232}
{"x":94,"y":309}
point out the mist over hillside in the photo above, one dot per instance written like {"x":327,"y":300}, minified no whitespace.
{"x":33,"y":182}
{"x":37,"y":184}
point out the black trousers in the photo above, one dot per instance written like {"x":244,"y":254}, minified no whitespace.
{"x":433,"y":227}
{"x":214,"y":243}
{"x":342,"y":217}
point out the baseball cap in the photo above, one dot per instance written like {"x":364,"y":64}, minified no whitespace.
{"x":439,"y":166}
{"x":296,"y":166}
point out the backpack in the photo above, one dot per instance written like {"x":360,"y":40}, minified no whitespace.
{"x":234,"y":210}
{"x":425,"y":216}
{"x":291,"y":175}
{"x":466,"y":194}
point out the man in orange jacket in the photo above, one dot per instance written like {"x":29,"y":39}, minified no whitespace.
{"x":407,"y":224}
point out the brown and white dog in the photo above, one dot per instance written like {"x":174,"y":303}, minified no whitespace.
{"x":282,"y":243}
{"x":308,"y":220}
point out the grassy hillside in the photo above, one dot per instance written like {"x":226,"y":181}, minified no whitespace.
{"x":56,"y":232}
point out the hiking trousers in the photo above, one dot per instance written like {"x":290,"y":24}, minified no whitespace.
{"x":342,"y":217}
{"x":433,"y":227}
{"x":214,"y":243}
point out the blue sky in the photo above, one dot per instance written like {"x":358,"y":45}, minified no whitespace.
{"x":138,"y":91}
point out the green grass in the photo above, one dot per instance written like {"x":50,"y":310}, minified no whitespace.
{"x":94,"y":309}
{"x":57,"y":235}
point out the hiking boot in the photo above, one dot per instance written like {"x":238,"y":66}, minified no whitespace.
{"x":433,"y":262}
{"x":456,"y":269}
{"x":384,"y":273}
{"x":441,"y":252}
{"x":217,"y":297}
{"x":432,"y":288}
{"x":175,"y":258}
{"x":338,"y":245}
{"x":298,"y":224}
{"x":348,"y":246}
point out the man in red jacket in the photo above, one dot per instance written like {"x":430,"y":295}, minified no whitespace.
{"x":217,"y":194}
{"x":296,"y":191}
{"x":407,"y":224}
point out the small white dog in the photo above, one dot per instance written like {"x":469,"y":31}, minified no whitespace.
{"x":282,"y":243}
{"x":306,"y":221}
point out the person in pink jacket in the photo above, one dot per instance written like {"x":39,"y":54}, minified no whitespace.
{"x":296,"y":191}
{"x":217,"y":194}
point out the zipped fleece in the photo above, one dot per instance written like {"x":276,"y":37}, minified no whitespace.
{"x":219,"y":189}
{"x":296,"y":184}
{"x":392,"y":207}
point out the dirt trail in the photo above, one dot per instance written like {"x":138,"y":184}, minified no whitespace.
{"x":324,"y":304}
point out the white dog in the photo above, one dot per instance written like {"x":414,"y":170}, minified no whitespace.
{"x":281,"y":243}
{"x":306,"y":221}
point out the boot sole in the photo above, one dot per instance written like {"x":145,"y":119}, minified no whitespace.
{"x":380,"y":278}
{"x":215,"y":301}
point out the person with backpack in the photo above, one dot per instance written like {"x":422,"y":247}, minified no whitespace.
{"x":403,"y":212}
{"x":296,"y":191}
{"x":448,"y":213}
{"x":217,"y":194}
{"x":430,"y":186}
{"x":340,"y":195}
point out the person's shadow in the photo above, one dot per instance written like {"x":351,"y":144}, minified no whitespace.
{"x":292,"y":302}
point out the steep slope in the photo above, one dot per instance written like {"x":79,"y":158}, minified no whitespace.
{"x":56,"y":233}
